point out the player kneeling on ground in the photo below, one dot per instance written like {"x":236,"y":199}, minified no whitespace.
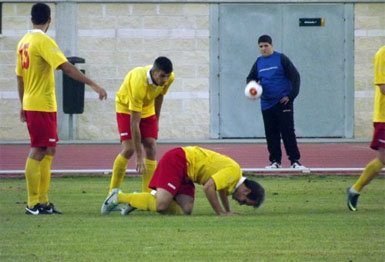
{"x":174,"y":190}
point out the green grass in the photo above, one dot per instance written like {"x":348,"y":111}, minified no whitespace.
{"x":302,"y":219}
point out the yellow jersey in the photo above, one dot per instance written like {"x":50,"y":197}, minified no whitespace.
{"x":379,"y":78}
{"x":138,"y":92}
{"x":203,"y":164}
{"x":37,"y":57}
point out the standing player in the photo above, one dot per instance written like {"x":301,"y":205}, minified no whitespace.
{"x":37,"y":57}
{"x":280,"y":81}
{"x":138,"y":104}
{"x":174,"y":180}
{"x":378,"y":141}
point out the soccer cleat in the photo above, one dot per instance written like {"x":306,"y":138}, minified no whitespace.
{"x":127,"y":209}
{"x":111,"y":202}
{"x":49,"y":209}
{"x":297,"y":165}
{"x":352,"y":199}
{"x":273,"y":165}
{"x":35,"y":210}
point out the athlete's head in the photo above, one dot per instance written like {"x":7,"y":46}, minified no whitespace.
{"x":249,"y":193}
{"x":161,"y":70}
{"x":40,"y":14}
{"x":265,"y":44}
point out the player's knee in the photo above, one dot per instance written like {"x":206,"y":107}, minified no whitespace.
{"x":161,"y":207}
{"x":187,"y":208}
{"x":127,"y":152}
{"x":150,"y":152}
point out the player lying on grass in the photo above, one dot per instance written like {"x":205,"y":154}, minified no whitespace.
{"x":173,"y":184}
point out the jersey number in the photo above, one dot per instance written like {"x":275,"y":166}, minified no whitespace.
{"x":24,"y":57}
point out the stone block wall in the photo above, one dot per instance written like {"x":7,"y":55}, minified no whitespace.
{"x":116,"y":37}
{"x":369,"y":32}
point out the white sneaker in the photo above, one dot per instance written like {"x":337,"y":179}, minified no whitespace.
{"x":111,"y":202}
{"x":127,"y":209}
{"x":297,"y":165}
{"x":273,"y":165}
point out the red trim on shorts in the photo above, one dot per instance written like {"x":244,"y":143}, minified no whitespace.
{"x":171,"y":174}
{"x":378,"y":140}
{"x":148,"y":126}
{"x":42,"y":128}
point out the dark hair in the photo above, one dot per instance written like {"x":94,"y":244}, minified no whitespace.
{"x":40,"y":13}
{"x":257,"y":193}
{"x":164,"y":64}
{"x":265,"y":39}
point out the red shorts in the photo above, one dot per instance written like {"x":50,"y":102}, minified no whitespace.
{"x":148,"y":126}
{"x":171,"y":174}
{"x":42,"y":128}
{"x":378,"y":136}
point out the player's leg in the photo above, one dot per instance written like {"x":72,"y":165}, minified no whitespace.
{"x":372,"y":169}
{"x":273,"y":136}
{"x":45,"y":171}
{"x":121,"y":160}
{"x":32,"y":177}
{"x":149,"y":145}
{"x":149,"y":133}
{"x":120,"y":164}
{"x":286,"y":120}
{"x":42,"y":129}
{"x":185,"y":202}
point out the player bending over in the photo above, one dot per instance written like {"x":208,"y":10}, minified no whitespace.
{"x":173,"y":184}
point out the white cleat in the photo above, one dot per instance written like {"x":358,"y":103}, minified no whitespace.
{"x":126,"y":210}
{"x":111,"y":202}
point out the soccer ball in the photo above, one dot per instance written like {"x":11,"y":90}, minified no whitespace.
{"x":253,"y":90}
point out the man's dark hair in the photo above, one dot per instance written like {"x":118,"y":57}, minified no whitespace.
{"x":40,"y":13}
{"x":164,"y":64}
{"x":265,"y":39}
{"x":257,"y":193}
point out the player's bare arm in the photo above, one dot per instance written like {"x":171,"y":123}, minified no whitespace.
{"x":211,"y":193}
{"x":20,"y":88}
{"x":158,"y":105}
{"x":73,"y":72}
{"x":137,"y":139}
{"x":225,"y":200}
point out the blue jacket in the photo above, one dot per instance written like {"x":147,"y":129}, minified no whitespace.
{"x":278,"y":78}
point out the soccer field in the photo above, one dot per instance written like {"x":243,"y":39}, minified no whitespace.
{"x":304,"y":218}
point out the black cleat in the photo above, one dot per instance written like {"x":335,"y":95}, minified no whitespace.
{"x":352,"y":199}
{"x":49,"y":209}
{"x":35,"y":210}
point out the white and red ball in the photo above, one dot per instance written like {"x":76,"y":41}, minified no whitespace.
{"x":253,"y":90}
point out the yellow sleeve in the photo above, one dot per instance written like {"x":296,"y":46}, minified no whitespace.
{"x":137,"y":94}
{"x":51,"y":53}
{"x":379,"y":67}
{"x":169,"y":82}
{"x":227,"y":178}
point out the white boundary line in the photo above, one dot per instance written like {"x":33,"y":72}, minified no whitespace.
{"x":256,"y":170}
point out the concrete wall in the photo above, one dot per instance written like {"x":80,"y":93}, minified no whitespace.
{"x":116,"y":37}
{"x":369,"y":37}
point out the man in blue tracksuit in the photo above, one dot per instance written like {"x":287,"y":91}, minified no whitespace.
{"x":280,"y":81}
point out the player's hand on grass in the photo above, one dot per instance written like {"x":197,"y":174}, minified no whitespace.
{"x":22,"y":116}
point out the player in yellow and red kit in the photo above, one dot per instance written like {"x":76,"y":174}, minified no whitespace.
{"x":378,"y":141}
{"x":138,"y":105}
{"x":173,"y":184}
{"x":37,"y":57}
